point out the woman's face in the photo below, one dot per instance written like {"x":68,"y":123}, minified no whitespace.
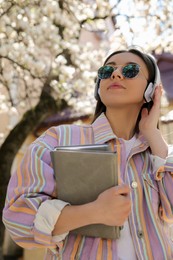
{"x":120,"y":91}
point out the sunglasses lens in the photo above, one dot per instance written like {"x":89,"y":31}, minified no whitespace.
{"x":105,"y":72}
{"x":130,"y":71}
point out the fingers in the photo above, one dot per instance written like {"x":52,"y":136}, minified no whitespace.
{"x":122,"y":189}
{"x":155,"y":110}
{"x":144,"y":112}
{"x":157,"y":94}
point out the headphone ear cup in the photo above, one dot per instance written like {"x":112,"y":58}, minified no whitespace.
{"x":148,"y":94}
{"x":149,"y":91}
{"x":96,"y":91}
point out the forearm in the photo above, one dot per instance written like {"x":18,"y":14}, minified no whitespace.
{"x":112,"y":207}
{"x":73,"y":217}
{"x":157,"y":144}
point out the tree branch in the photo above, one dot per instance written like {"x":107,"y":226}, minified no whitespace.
{"x":7,"y":10}
{"x":92,"y":19}
{"x":22,"y":67}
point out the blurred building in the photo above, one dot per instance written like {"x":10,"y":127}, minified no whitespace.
{"x":165,"y":64}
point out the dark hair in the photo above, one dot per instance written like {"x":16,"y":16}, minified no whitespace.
{"x":100,"y":107}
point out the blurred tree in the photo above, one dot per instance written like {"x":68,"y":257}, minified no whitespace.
{"x":145,"y":23}
{"x":43,"y":67}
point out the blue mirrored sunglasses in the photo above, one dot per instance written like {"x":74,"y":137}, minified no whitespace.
{"x":128,"y":71}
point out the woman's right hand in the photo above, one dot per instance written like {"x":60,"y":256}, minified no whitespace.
{"x":113,"y":206}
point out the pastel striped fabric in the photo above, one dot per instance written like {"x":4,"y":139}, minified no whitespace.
{"x":152,"y":199}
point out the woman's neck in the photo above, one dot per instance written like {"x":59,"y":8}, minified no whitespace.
{"x":122,"y":121}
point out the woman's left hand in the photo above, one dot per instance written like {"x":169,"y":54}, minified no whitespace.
{"x":148,"y":126}
{"x":149,"y":119}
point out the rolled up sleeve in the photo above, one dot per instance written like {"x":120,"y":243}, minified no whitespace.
{"x":32,"y":184}
{"x":164,"y":177}
{"x":47,"y":216}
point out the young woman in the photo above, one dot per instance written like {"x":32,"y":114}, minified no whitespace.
{"x":127,"y":113}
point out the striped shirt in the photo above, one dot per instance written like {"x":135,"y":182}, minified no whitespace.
{"x":151,"y":196}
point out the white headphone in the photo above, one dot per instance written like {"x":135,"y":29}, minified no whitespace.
{"x":150,"y":88}
{"x":149,"y":91}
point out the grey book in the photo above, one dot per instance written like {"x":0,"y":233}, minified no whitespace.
{"x":82,"y":173}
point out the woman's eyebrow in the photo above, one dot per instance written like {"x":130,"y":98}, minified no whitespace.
{"x":114,"y":63}
{"x":111,"y":63}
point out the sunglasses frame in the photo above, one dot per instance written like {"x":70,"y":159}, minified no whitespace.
{"x":122,"y":67}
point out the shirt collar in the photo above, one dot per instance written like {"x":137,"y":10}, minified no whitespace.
{"x":103,"y":132}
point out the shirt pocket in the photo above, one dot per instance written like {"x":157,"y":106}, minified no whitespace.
{"x":151,"y":191}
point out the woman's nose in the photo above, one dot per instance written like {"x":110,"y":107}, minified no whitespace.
{"x":117,"y":74}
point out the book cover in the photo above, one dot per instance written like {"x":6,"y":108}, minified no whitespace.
{"x":81,"y":175}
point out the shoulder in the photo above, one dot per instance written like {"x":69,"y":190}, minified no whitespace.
{"x":64,"y":135}
{"x":74,"y":134}
{"x":65,"y":129}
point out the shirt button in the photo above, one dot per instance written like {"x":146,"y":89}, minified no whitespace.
{"x":134,"y":185}
{"x":140,"y":234}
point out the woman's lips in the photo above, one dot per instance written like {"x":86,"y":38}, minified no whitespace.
{"x":116,"y":86}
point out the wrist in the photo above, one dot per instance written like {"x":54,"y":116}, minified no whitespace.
{"x":157,"y":143}
{"x":151,"y":133}
{"x":153,"y":136}
{"x":94,"y":212}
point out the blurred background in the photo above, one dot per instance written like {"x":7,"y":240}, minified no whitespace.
{"x":49,"y":54}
